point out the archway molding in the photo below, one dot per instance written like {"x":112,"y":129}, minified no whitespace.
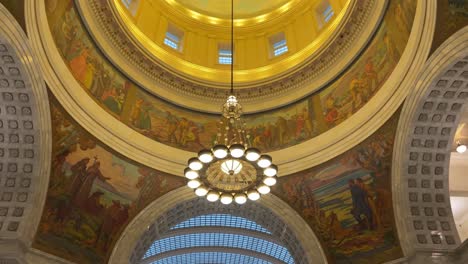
{"x":422,"y":150}
{"x":25,"y":140}
{"x":144,"y":228}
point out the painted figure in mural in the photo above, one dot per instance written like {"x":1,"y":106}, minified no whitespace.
{"x":140,"y":116}
{"x":93,"y":204}
{"x":92,"y":173}
{"x":182,"y":129}
{"x":113,"y":98}
{"x":79,"y":64}
{"x":308,"y":126}
{"x":69,"y":32}
{"x":400,"y":18}
{"x":282,"y":131}
{"x":114,"y":217}
{"x":172,"y":125}
{"x":192,"y":135}
{"x":371,"y":75}
{"x":101,"y":80}
{"x":57,"y":182}
{"x":331,"y":113}
{"x":391,"y":53}
{"x":355,"y":92}
{"x":360,"y":205}
{"x":78,"y":176}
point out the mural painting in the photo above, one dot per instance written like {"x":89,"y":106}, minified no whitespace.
{"x":92,"y":195}
{"x":189,"y":130}
{"x":452,"y":15}
{"x":347,"y":201}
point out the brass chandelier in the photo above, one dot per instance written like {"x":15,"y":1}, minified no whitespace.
{"x":231,"y":170}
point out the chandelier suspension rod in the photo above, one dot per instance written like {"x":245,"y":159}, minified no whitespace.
{"x":232,"y":47}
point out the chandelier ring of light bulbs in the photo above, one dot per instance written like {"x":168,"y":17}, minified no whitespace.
{"x":231,"y":159}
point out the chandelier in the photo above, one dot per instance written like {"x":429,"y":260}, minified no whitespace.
{"x":231,"y":170}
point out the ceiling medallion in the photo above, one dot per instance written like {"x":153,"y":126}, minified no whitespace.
{"x":231,"y":170}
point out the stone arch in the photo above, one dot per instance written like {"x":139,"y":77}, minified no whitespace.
{"x":422,"y":150}
{"x":146,"y":227}
{"x":25,"y":140}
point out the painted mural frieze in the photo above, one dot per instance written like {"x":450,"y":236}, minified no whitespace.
{"x":347,"y":201}
{"x":184,"y":129}
{"x":93,"y":193}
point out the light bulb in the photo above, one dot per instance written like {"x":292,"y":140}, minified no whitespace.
{"x":220,"y":151}
{"x":205,"y":156}
{"x":252,"y":154}
{"x":263,"y":189}
{"x":231,"y":166}
{"x":195,"y":164}
{"x":269,"y":181}
{"x":226,"y":198}
{"x":190,"y":174}
{"x":271,"y":171}
{"x":461,"y":148}
{"x":201,"y":191}
{"x":212,"y":196}
{"x":264,"y":161}
{"x":253,"y":195}
{"x":237,"y":150}
{"x":240,"y":198}
{"x":193,"y":184}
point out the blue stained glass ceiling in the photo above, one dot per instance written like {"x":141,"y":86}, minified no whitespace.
{"x":219,"y":240}
{"x":211,"y":258}
{"x":221,"y":220}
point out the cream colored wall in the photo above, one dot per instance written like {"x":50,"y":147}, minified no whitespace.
{"x":458,"y":186}
{"x":200,"y":42}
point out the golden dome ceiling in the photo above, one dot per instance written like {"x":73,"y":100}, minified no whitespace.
{"x":202,"y":29}
{"x":243,"y":8}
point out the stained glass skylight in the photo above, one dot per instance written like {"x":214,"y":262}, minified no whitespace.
{"x":211,"y":258}
{"x":219,"y":240}
{"x":221,"y":220}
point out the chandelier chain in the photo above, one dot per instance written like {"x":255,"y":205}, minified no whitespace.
{"x":232,"y":47}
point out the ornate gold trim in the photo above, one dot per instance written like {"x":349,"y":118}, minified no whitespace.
{"x":291,"y":6}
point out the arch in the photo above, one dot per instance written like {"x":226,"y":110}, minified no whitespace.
{"x":219,"y":239}
{"x":221,"y":220}
{"x":157,"y":218}
{"x":25,"y":140}
{"x":220,"y":229}
{"x":236,"y":251}
{"x":422,"y":150}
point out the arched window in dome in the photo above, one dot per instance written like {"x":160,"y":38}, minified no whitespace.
{"x":325,"y":13}
{"x":224,"y":54}
{"x":278,"y":44}
{"x":127,"y":3}
{"x":131,"y":5}
{"x":173,"y":38}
